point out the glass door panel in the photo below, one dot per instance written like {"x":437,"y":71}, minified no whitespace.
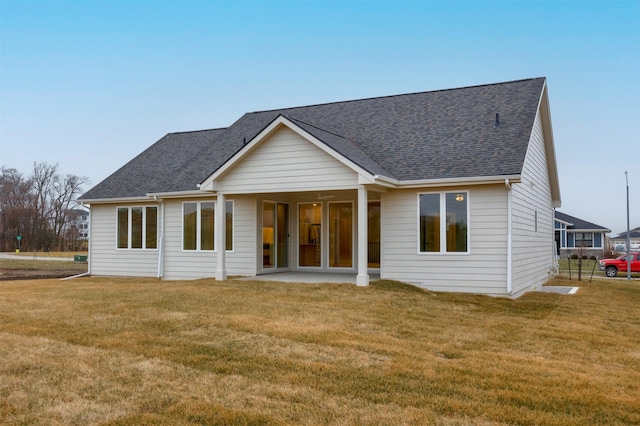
{"x":373,"y":235}
{"x":268,"y":234}
{"x":310,"y":235}
{"x":341,"y":235}
{"x":282,"y":235}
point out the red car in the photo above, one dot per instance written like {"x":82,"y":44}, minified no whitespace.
{"x":611,"y":267}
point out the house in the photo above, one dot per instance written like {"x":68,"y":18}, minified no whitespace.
{"x":79,"y":226}
{"x":619,"y":242}
{"x":578,"y":237}
{"x":76,"y":228}
{"x":450,"y":190}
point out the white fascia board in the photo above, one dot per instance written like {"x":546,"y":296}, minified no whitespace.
{"x":147,"y":198}
{"x":121,"y":200}
{"x":479,"y":180}
{"x":573,"y":231}
{"x":208,"y":184}
{"x":549,"y":146}
{"x":377,"y":181}
{"x":178,"y":194}
{"x":563,"y":222}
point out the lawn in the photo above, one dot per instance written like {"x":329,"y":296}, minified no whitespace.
{"x":26,"y":267}
{"x":48,"y":254}
{"x":142,"y":351}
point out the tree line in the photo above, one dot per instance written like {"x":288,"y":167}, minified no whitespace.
{"x":36,"y":211}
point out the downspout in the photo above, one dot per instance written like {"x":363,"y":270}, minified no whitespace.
{"x":160,"y":238}
{"x":89,"y":242}
{"x":509,"y":237}
{"x":84,"y":274}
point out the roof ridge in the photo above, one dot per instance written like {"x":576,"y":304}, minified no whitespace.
{"x":196,"y":131}
{"x":316,"y":127}
{"x":398,"y":95}
{"x":347,"y":140}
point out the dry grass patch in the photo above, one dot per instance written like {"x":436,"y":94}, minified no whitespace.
{"x":27,"y":268}
{"x":49,"y":254}
{"x":142,"y":351}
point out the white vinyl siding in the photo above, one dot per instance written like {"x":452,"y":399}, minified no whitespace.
{"x":482,"y":270}
{"x":105,"y":258}
{"x":286,"y":162}
{"x":179,"y":264}
{"x":533,"y":248}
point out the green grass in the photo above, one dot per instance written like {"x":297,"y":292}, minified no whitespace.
{"x":143,"y":351}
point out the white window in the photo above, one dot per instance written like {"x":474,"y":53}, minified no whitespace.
{"x":198,"y":225}
{"x":450,"y":235}
{"x":137,"y":227}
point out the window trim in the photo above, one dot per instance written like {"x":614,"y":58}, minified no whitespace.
{"x":443,"y":224}
{"x":582,"y":233}
{"x":130,"y":227}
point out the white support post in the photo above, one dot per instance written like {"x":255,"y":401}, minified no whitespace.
{"x":221,"y":242}
{"x":363,"y":277}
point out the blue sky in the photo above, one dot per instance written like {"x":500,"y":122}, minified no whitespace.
{"x":90,"y":84}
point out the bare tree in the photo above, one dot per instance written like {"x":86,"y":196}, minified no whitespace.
{"x":43,"y":177}
{"x":16,"y":207}
{"x":36,"y":208}
{"x":63,"y":192}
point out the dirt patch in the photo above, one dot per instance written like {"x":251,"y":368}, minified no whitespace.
{"x":34,"y":274}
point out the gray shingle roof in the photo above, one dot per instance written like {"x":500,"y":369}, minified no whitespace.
{"x":578,"y":224}
{"x":633,"y":233}
{"x":177,"y":162}
{"x":429,"y":135}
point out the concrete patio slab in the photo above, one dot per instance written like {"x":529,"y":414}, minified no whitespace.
{"x":309,"y":277}
{"x":559,"y":289}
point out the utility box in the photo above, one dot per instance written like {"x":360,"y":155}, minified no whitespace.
{"x":79,"y":258}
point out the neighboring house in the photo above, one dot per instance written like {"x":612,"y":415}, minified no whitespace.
{"x":76,"y":232}
{"x":80,"y":222}
{"x":619,"y":243}
{"x":578,"y":237}
{"x":450,"y":190}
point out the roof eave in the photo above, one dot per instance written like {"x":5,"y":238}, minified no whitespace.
{"x":459,"y":181}
{"x":151,"y":196}
{"x":127,"y":200}
{"x":547,"y":130}
{"x":179,"y":194}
